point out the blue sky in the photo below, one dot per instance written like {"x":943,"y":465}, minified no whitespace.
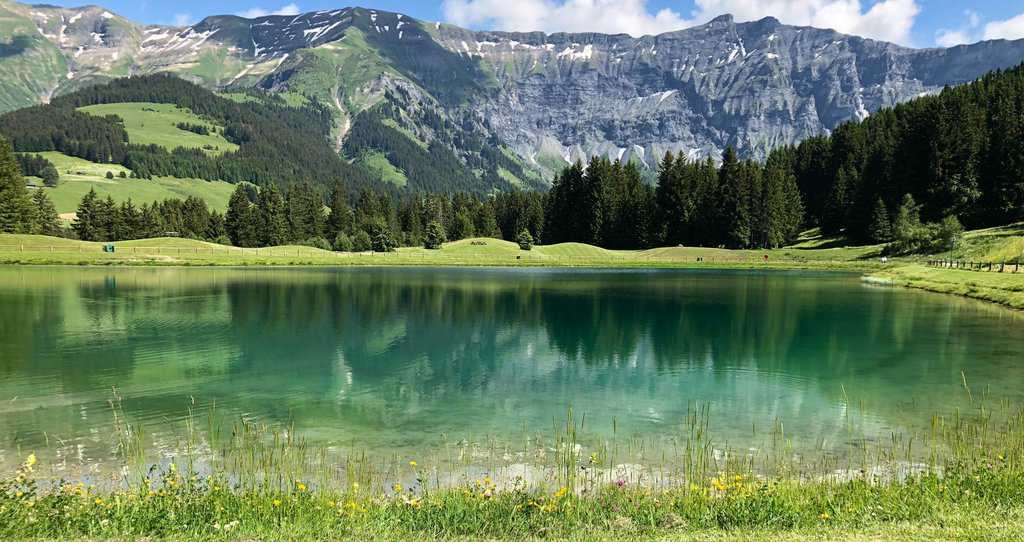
{"x":920,"y":23}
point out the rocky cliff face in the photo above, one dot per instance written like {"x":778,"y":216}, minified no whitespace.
{"x":552,"y":98}
{"x":752,"y":85}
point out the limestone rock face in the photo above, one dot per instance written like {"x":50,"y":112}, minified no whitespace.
{"x":552,"y":98}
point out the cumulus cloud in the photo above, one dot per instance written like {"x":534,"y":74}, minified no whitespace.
{"x":182,"y":19}
{"x":1010,"y":29}
{"x":256,"y":12}
{"x":969,"y":32}
{"x":949,"y":38}
{"x":889,"y":20}
{"x":609,"y":16}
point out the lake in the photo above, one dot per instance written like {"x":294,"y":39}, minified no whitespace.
{"x":399,"y":361}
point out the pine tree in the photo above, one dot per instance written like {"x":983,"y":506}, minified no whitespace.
{"x":525,"y":240}
{"x":487,"y":222}
{"x":881,"y":228}
{"x":381,"y":238}
{"x":47,"y":221}
{"x":240,"y":219}
{"x":734,"y":180}
{"x":340,"y":218}
{"x":435,"y":236}
{"x":273,"y":217}
{"x":16,"y":209}
{"x":87,"y":223}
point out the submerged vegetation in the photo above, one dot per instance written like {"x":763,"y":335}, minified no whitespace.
{"x":964,"y":474}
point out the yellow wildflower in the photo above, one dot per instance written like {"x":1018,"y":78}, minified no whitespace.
{"x":30,"y":461}
{"x":98,"y":501}
{"x":397,"y":487}
{"x":301,"y":487}
{"x":825,"y":516}
{"x":562,"y":492}
{"x":412,"y":464}
{"x":276,"y":503}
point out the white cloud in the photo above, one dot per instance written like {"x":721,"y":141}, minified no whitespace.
{"x":182,"y":19}
{"x":609,"y":16}
{"x":949,"y":38}
{"x":1010,"y":29}
{"x":257,"y":12}
{"x":889,"y":20}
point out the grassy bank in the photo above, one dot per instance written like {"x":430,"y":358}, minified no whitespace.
{"x":970,"y":488}
{"x":1005,"y":289}
{"x":40,"y":250}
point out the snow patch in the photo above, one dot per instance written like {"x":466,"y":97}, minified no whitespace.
{"x":74,"y":18}
{"x":107,"y":15}
{"x":662,"y":96}
{"x":572,"y":54}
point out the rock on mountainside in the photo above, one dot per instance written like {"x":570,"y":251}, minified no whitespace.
{"x":551,"y":98}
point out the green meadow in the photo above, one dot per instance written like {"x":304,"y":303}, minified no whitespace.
{"x":78,"y":176}
{"x":156,"y":124}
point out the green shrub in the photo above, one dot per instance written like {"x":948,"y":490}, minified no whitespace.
{"x":343,"y":243}
{"x":361,"y":242}
{"x":316,"y":242}
{"x":525,"y":240}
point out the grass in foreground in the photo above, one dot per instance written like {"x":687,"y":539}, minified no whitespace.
{"x":971,"y":489}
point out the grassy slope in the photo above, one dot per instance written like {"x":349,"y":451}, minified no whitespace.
{"x":78,"y":176}
{"x":155,"y":124}
{"x":47,"y":250}
{"x":993,"y":245}
{"x":378,"y":162}
{"x":32,"y":67}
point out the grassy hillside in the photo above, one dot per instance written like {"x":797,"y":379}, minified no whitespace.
{"x":30,"y":249}
{"x":78,"y":176}
{"x":156,"y":124}
{"x":992,"y":245}
{"x":32,"y":67}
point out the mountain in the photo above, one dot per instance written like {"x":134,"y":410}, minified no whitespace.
{"x":416,"y":100}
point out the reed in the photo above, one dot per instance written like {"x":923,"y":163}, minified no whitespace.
{"x":238,"y":479}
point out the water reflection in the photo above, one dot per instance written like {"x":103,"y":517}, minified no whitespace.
{"x":396,"y":358}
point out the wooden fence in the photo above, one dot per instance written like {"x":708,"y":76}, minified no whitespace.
{"x":985,"y":267}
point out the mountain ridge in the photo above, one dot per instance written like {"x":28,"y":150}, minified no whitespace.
{"x":552,"y":99}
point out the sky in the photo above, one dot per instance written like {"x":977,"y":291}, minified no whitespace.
{"x":915,"y":23}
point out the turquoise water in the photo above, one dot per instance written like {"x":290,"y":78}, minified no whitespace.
{"x":401,"y":360}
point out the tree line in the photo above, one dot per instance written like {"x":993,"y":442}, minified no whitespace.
{"x":958,"y":154}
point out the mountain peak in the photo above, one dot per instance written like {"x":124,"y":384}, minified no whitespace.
{"x":725,"y":18}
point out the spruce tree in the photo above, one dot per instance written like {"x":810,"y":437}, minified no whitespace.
{"x":239,"y":219}
{"x":734,"y":180}
{"x":435,"y":237}
{"x":881,"y":228}
{"x":273,"y":221}
{"x":87,"y":223}
{"x":16,"y":209}
{"x":47,"y":221}
{"x":340,"y":218}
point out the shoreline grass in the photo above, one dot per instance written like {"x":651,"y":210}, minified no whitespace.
{"x":1006,"y":289}
{"x":972,"y":488}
